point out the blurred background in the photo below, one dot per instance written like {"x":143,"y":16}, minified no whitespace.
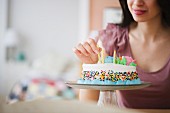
{"x":36,"y":41}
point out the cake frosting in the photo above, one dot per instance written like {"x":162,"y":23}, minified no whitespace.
{"x":118,"y":71}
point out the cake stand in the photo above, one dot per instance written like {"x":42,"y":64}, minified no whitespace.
{"x":108,"y":90}
{"x":103,"y":87}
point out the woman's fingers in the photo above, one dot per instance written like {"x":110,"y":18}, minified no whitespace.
{"x":93,"y":45}
{"x":88,"y":48}
{"x":81,"y":48}
{"x":82,"y":57}
{"x":77,"y":52}
{"x":87,"y":51}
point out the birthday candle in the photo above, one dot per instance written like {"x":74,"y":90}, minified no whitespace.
{"x":103,"y":56}
{"x":114,"y":57}
{"x":99,"y":57}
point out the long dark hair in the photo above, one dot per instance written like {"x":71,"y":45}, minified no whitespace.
{"x":128,"y":19}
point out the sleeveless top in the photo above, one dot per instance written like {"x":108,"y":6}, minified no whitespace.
{"x":156,"y":96}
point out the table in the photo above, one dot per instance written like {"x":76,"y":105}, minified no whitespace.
{"x":69,"y":106}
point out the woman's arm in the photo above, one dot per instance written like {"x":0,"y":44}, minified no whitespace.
{"x":88,"y":95}
{"x":88,"y":54}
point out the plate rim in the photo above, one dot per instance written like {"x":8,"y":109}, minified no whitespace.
{"x":75,"y":83}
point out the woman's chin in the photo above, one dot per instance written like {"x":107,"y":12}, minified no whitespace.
{"x":140,"y":20}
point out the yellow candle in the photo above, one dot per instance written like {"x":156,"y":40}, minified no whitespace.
{"x":114,"y":57}
{"x":99,"y":57}
{"x":103,"y":56}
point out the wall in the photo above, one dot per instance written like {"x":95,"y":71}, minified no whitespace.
{"x":3,"y":25}
{"x":45,"y":25}
{"x":96,"y":12}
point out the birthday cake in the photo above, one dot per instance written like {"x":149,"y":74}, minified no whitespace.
{"x":113,"y":71}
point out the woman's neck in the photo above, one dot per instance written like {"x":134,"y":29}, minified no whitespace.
{"x":150,"y":30}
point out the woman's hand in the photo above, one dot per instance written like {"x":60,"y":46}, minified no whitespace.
{"x":88,"y":51}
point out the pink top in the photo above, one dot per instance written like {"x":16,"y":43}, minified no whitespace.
{"x":156,"y":96}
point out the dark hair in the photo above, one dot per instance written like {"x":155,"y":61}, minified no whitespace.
{"x":128,"y":19}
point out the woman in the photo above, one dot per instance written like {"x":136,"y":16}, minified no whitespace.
{"x":144,"y":34}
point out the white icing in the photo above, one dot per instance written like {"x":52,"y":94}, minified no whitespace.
{"x":108,"y":66}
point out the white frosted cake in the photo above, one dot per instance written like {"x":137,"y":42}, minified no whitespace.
{"x":123,"y":72}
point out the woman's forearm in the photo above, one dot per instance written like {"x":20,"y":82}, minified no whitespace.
{"x":88,"y":95}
